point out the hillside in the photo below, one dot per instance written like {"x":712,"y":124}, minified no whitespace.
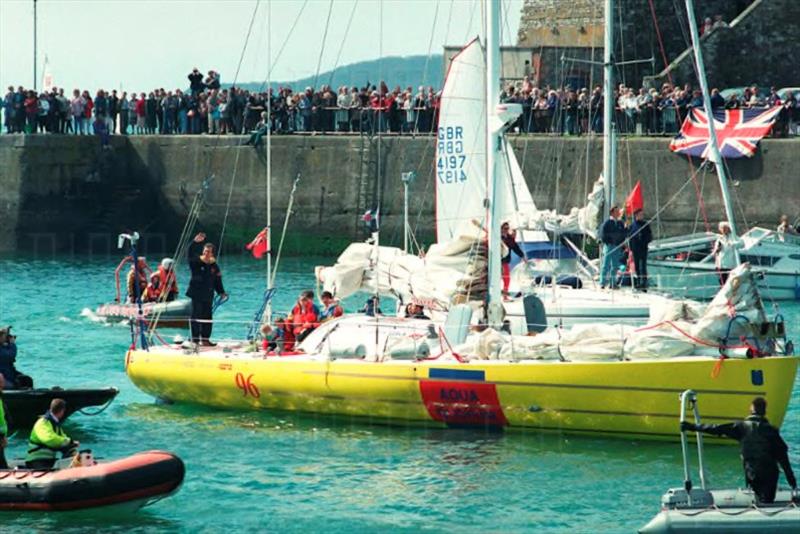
{"x":402,"y":71}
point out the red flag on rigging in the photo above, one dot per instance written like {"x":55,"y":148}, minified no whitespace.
{"x":259,"y":245}
{"x":634,"y":201}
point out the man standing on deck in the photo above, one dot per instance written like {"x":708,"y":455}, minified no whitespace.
{"x":639,"y":237}
{"x":509,"y":239}
{"x":612,"y":234}
{"x":206,"y":279}
{"x":762,"y":449}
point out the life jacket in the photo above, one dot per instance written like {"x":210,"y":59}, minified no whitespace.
{"x":308,"y":313}
{"x":153,"y":290}
{"x":288,"y":337}
{"x":132,"y":286}
{"x":47,"y":438}
{"x":168,"y":283}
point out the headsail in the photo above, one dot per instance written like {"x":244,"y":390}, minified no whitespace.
{"x":461,"y":180}
{"x":461,"y":146}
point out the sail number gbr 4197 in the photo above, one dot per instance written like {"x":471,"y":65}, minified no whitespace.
{"x":450,"y":165}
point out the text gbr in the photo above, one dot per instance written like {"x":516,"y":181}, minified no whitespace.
{"x":451,"y":162}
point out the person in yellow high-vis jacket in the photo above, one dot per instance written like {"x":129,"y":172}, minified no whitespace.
{"x":48,"y":439}
{"x":3,"y":427}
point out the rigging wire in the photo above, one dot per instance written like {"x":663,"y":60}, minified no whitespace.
{"x":449,"y":17}
{"x":428,"y":56}
{"x":283,"y":45}
{"x":322,"y":46}
{"x":469,"y":24}
{"x":344,"y":39}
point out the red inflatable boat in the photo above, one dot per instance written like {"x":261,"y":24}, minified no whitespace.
{"x":129,"y":483}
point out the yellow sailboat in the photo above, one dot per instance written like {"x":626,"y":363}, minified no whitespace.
{"x":631,"y":398}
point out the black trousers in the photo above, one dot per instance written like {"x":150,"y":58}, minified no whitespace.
{"x":3,"y":463}
{"x":41,"y":464}
{"x":640,"y":264}
{"x":764,"y":484}
{"x":201,"y":330}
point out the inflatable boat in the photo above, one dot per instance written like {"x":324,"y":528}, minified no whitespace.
{"x":170,"y":313}
{"x":23,"y":406}
{"x":126,"y":484}
{"x":701,"y":511}
{"x":689,"y":510}
{"x":173,"y":314}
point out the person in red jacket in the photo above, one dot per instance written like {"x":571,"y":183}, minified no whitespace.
{"x":305,"y":316}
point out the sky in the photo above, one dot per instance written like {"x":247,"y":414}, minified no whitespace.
{"x":144,"y":44}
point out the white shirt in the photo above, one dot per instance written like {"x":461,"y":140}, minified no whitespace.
{"x":727,"y":255}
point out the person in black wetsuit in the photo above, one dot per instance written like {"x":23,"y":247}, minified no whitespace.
{"x":206,"y":279}
{"x":762,"y":449}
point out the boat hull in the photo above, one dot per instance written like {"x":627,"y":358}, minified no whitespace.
{"x":26,"y":405}
{"x":723,"y":511}
{"x":173,"y":314}
{"x":634,"y":398}
{"x":700,"y":281}
{"x":125,"y":484}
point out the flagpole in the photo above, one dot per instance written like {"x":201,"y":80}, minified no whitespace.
{"x":716,"y":157}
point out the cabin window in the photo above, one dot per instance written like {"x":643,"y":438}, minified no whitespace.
{"x":761,"y":261}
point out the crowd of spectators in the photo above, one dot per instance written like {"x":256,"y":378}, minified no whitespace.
{"x":636,"y":111}
{"x":205,"y":107}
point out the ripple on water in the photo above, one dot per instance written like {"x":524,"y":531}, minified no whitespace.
{"x":289,"y":472}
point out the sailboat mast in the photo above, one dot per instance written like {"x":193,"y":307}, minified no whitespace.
{"x":35,"y":21}
{"x":493,"y":145}
{"x":609,"y":180}
{"x":715,"y":155}
{"x":268,"y":309}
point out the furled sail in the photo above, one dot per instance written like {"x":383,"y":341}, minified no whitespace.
{"x":583,"y":220}
{"x":450,"y":271}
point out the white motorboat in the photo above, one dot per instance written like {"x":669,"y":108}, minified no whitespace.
{"x":684,"y":266}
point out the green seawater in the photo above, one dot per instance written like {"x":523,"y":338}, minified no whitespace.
{"x":249,"y":472}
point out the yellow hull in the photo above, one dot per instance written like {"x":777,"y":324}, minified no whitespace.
{"x":634,"y":399}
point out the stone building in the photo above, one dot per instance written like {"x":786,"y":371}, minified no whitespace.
{"x":755,"y":41}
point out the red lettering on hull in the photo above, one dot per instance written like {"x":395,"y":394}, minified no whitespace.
{"x":462,"y":403}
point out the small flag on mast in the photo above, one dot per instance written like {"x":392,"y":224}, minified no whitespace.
{"x":259,"y":245}
{"x":371,"y":219}
{"x":634,"y":202}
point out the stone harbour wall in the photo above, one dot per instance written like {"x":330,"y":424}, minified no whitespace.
{"x":62,"y":194}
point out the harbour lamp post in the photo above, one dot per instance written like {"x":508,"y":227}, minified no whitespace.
{"x":407,"y":178}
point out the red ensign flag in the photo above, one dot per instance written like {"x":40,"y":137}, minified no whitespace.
{"x":634,"y":201}
{"x":259,"y":245}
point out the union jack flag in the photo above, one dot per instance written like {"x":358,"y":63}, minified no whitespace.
{"x":738,"y":132}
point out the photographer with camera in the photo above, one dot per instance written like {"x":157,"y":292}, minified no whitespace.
{"x":8,"y":357}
